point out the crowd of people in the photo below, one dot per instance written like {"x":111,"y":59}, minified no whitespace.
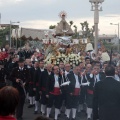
{"x":47,"y":85}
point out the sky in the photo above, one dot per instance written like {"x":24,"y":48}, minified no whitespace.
{"x":40,"y":14}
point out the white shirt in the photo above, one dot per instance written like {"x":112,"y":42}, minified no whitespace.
{"x":41,"y":70}
{"x":56,"y":81}
{"x":66,"y":73}
{"x":20,"y":68}
{"x":97,"y":78}
{"x":117,"y":77}
{"x":28,"y":66}
{"x":34,"y":59}
{"x":77,"y":85}
{"x":49,"y":73}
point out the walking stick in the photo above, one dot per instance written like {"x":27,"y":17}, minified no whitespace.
{"x":22,"y":84}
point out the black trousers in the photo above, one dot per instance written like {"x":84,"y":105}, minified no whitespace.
{"x":83,"y":95}
{"x":89,"y":100}
{"x":54,"y":100}
{"x":44,"y":100}
{"x":72,"y":101}
{"x":63,"y":98}
{"x":37,"y":94}
{"x":19,"y":110}
{"x":31,"y":92}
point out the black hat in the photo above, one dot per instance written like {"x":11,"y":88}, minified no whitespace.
{"x":21,"y":60}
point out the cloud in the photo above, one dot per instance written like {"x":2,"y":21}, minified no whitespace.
{"x":38,"y":24}
{"x":19,"y":0}
{"x":43,"y":13}
{"x":104,"y":24}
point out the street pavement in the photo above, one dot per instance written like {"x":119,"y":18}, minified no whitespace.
{"x":29,"y":114}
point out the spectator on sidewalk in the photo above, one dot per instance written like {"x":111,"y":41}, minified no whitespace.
{"x":9,"y":98}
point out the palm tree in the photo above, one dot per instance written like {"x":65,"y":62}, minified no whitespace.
{"x":52,"y":26}
{"x":71,"y":23}
{"x":75,"y":28}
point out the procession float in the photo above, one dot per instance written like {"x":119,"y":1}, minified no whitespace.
{"x":64,"y":48}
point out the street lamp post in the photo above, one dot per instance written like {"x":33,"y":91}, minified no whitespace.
{"x":11,"y":29}
{"x":118,"y":35}
{"x":96,"y":7}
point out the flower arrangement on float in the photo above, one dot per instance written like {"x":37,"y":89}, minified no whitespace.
{"x":72,"y":59}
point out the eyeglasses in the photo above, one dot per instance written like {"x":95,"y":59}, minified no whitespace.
{"x":56,"y":68}
{"x":67,"y":66}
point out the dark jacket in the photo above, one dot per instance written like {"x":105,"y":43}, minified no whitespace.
{"x":72,"y":84}
{"x":43,"y":80}
{"x":23,"y":75}
{"x":106,"y":101}
{"x":37,"y":77}
{"x":93,"y":82}
{"x":51,"y":82}
{"x":32,"y":73}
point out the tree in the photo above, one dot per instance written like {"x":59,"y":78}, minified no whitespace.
{"x":71,"y":23}
{"x":52,"y":26}
{"x":76,"y":33}
{"x":75,"y":28}
{"x":4,"y":32}
{"x":87,"y":32}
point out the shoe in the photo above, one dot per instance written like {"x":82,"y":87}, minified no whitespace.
{"x":73,"y":118}
{"x":67,"y":118}
{"x":33,"y":105}
{"x":59,"y":115}
{"x":20,"y":118}
{"x":30,"y":106}
{"x":35,"y":112}
{"x":43,"y":114}
{"x":50,"y":116}
{"x":89,"y":119}
{"x":78,"y":114}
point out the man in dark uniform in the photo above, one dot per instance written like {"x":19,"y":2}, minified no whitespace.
{"x":95,"y":77}
{"x":73,"y":92}
{"x":20,"y":76}
{"x":21,"y":53}
{"x":62,"y":66}
{"x":106,"y":101}
{"x":53,"y":92}
{"x":31,"y":92}
{"x":84,"y":85}
{"x":43,"y":81}
{"x":37,"y":76}
{"x":27,"y":53}
{"x":12,"y":64}
{"x":64,"y":72}
{"x":3,"y":74}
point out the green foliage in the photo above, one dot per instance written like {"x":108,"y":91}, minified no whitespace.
{"x":4,"y":32}
{"x":71,"y":23}
{"x":52,"y":26}
{"x":87,"y":32}
{"x":76,"y":34}
{"x":108,"y":46}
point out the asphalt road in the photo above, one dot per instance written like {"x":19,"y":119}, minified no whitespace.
{"x":29,"y":114}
